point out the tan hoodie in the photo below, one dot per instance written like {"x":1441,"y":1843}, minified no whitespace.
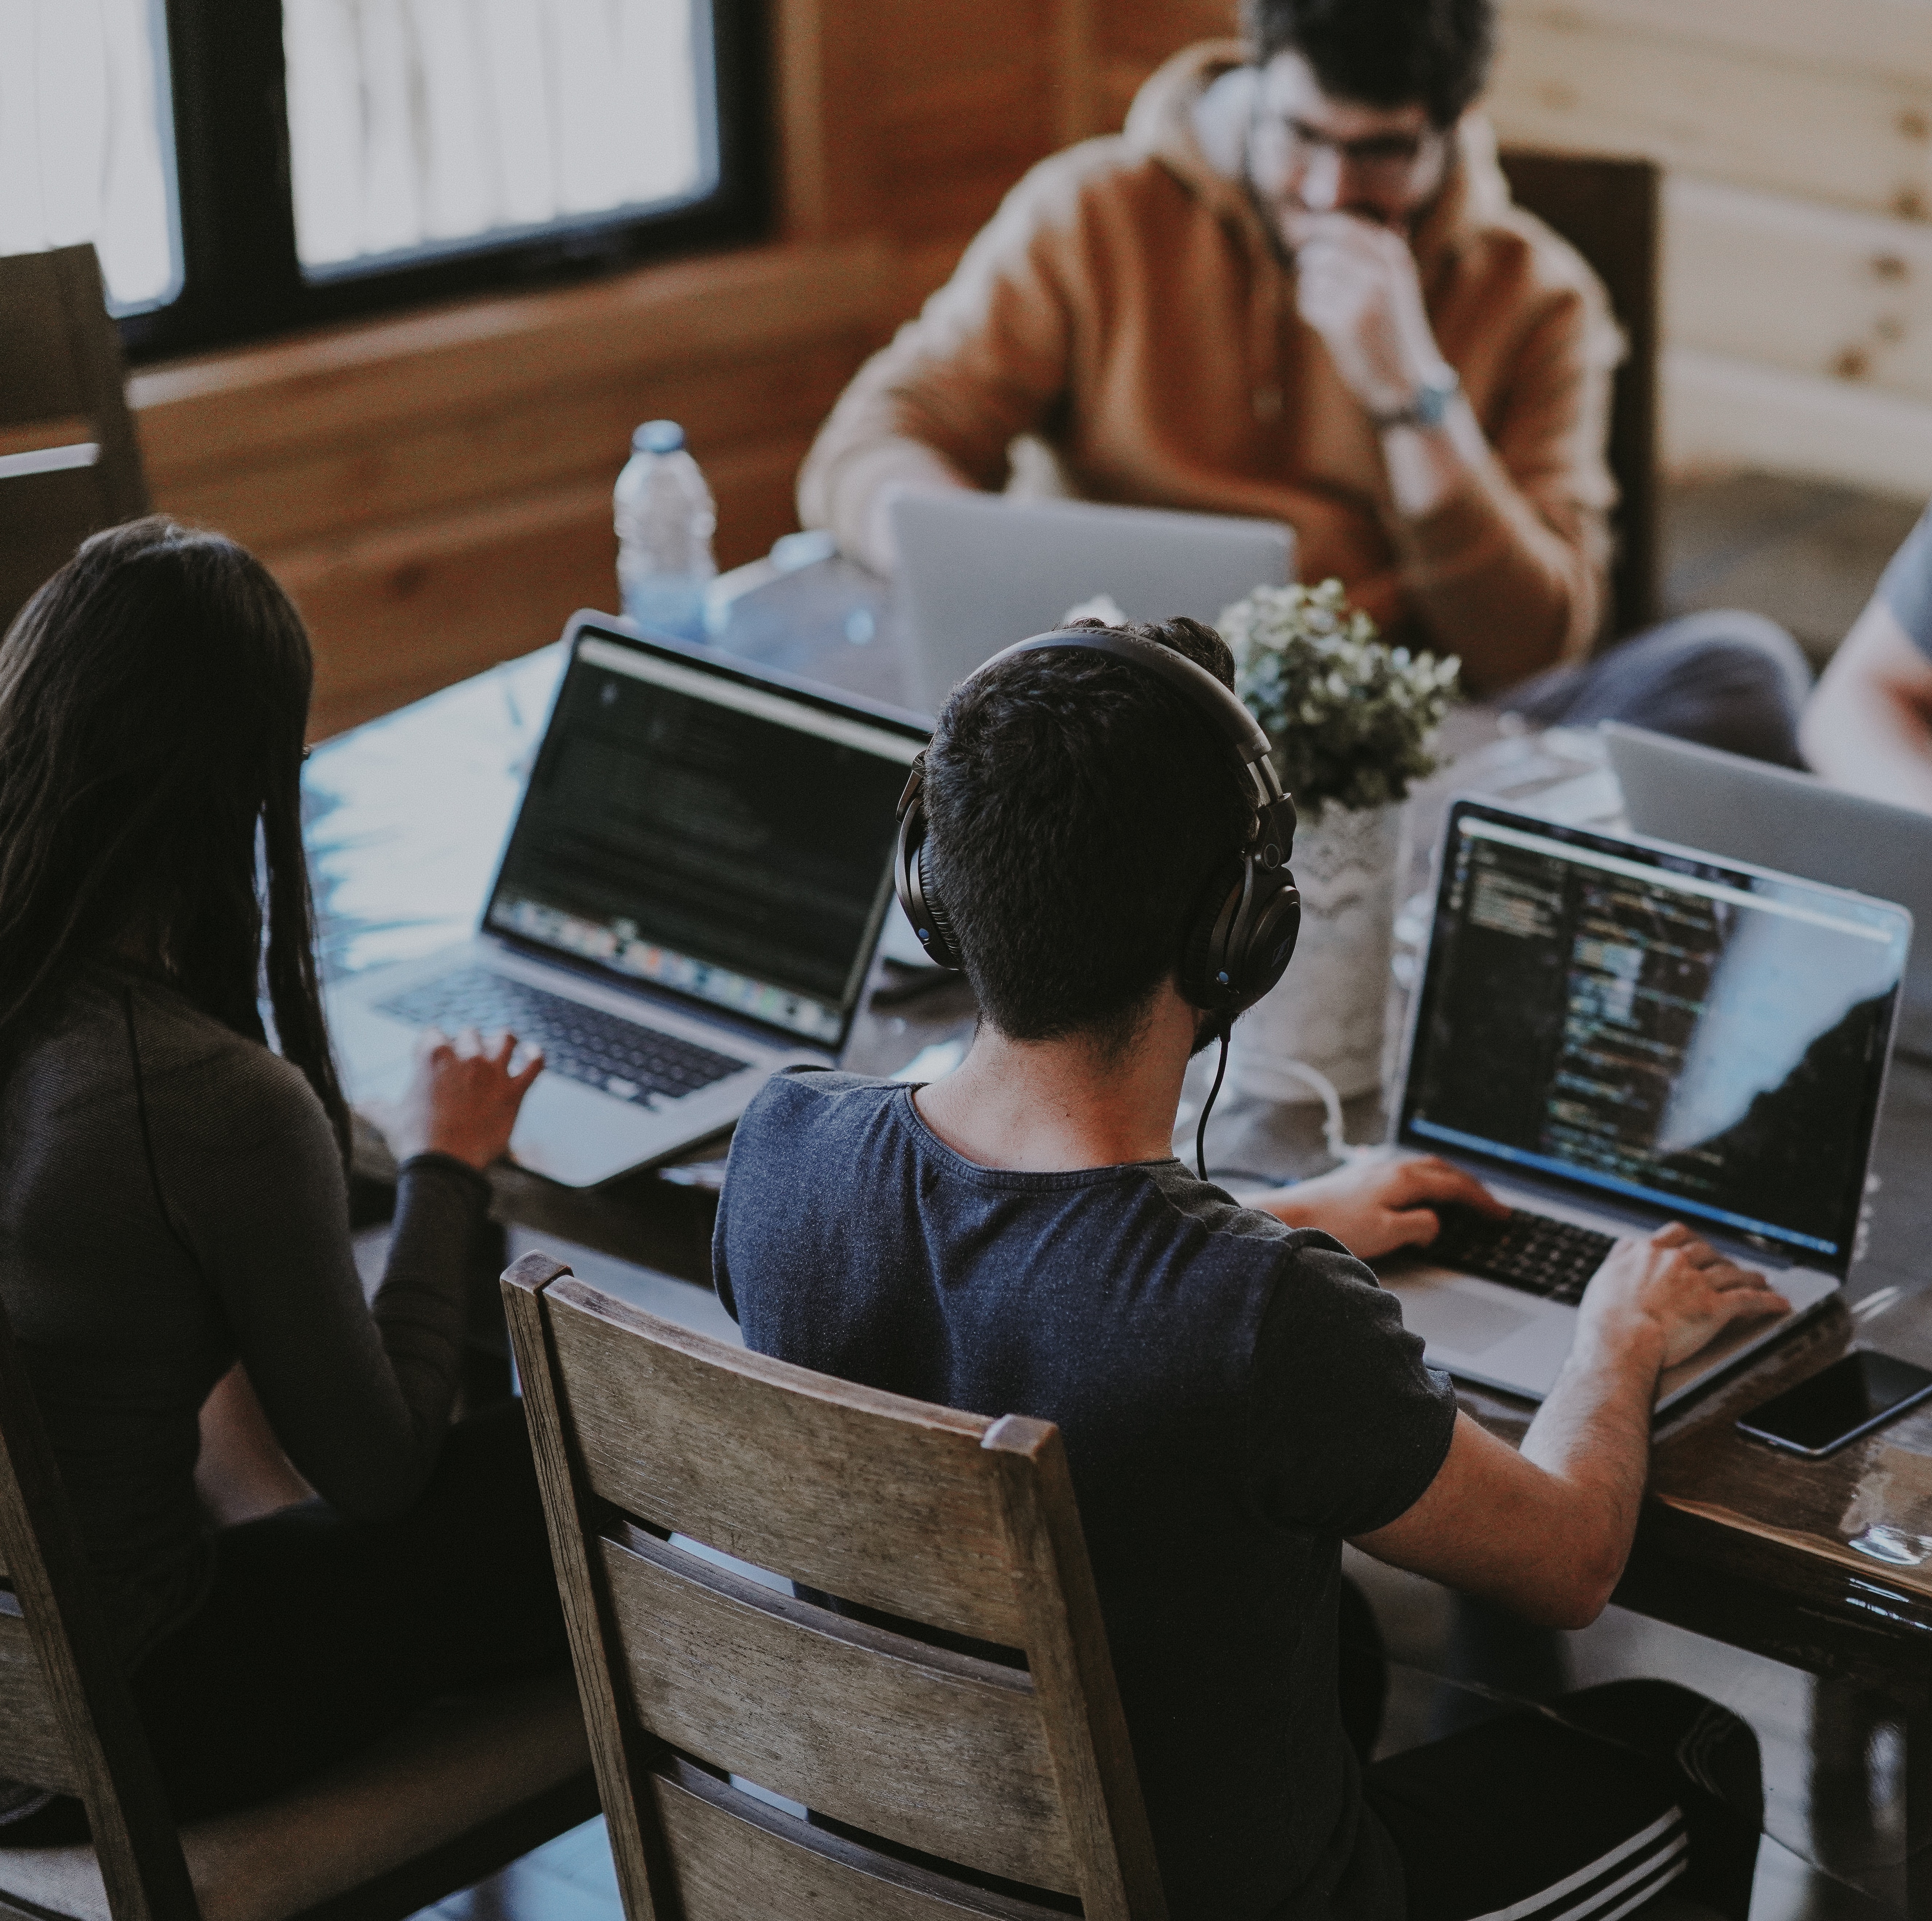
{"x":1127,"y":305}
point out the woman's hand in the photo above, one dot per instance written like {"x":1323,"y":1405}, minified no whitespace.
{"x":462,"y":1099}
{"x":1374,"y":1207}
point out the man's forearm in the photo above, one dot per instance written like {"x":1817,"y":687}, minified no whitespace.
{"x":1878,"y":748}
{"x":1593,"y":1434}
{"x":1495,"y":583}
{"x":852,"y":497}
{"x":1428,"y":466}
{"x":1869,"y":726}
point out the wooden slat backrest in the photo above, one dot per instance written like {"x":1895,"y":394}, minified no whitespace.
{"x":33,"y":1743}
{"x":944,"y":1520}
{"x":62,"y":386}
{"x":954,"y":1761}
{"x":1610,"y":210}
{"x":77,"y":1729}
{"x":919,"y":1533}
{"x":731,"y":1858}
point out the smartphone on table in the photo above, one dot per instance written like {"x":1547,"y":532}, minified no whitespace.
{"x":1854,"y":1394}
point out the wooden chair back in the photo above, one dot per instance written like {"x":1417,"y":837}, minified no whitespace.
{"x":959,"y":1741}
{"x":70,"y":464}
{"x":66,"y":1720}
{"x":1609,"y":210}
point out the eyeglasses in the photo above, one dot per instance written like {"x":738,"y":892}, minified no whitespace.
{"x":1388,"y":161}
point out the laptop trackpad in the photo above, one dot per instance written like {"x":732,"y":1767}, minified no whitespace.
{"x":1461,"y":1322}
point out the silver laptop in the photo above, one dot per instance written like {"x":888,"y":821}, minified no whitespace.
{"x":1613,"y":1034}
{"x":688,"y":900}
{"x":1749,"y":810}
{"x":980,"y":571}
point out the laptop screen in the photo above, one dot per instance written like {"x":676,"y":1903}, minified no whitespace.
{"x":702,"y":828}
{"x":1706,"y":1038}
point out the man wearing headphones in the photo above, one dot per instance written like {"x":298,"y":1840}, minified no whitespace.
{"x":1095,"y":837}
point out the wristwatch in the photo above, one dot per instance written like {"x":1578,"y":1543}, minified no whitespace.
{"x":1427,"y":406}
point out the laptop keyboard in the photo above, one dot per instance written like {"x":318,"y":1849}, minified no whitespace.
{"x":1529,"y":1251}
{"x":603,"y":1051}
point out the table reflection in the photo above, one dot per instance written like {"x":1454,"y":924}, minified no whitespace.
{"x":406,"y":816}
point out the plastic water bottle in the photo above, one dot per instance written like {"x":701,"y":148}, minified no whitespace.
{"x":665,"y":518}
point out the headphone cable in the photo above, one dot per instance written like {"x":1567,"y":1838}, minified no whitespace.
{"x":1208,"y":1106}
{"x":1339,"y":1148}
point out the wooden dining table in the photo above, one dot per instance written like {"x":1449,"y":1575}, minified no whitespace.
{"x":1824,"y":1565}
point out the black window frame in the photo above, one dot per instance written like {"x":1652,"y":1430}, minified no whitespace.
{"x":241,"y":278}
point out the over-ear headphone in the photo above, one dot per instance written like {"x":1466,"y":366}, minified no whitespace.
{"x":1241,"y":937}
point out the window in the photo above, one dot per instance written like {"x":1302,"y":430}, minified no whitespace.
{"x":87,"y":141}
{"x":246,"y":165}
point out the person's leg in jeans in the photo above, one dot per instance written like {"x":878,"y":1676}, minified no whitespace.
{"x":322,"y":1633}
{"x":1587,"y":1808}
{"x":1730,"y":680}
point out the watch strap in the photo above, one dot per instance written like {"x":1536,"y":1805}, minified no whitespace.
{"x":1427,"y":406}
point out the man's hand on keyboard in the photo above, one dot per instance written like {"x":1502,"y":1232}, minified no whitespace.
{"x":1374,"y":1207}
{"x":462,"y":1099}
{"x":1676,"y":1288}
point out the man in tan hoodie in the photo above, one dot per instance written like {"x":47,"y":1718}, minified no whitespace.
{"x":1295,"y":287}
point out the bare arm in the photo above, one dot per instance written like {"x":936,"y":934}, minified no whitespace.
{"x":1546,"y":1531}
{"x":1869,"y":726}
{"x":241,"y":1473}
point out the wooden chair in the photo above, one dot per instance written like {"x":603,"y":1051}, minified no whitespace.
{"x":1609,"y":210}
{"x":70,"y":464}
{"x":942,"y":1782}
{"x":459,"y":1792}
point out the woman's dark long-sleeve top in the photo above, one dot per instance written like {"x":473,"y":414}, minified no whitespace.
{"x":171,"y":1199}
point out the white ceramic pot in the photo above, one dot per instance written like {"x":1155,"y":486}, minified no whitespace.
{"x":1329,"y":1012}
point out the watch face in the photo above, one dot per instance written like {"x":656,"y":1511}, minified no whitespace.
{"x":1432,"y":403}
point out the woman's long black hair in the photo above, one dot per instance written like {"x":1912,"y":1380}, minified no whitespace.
{"x":154,"y":696}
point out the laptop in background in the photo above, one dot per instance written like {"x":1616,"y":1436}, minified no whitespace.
{"x":1749,"y":810}
{"x":689,"y":900}
{"x":1613,"y":1034}
{"x":980,"y":571}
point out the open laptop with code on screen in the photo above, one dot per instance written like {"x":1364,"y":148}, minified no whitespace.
{"x":689,"y":900}
{"x":1613,"y":1034}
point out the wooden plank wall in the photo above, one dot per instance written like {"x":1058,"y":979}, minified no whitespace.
{"x":435,"y":487}
{"x":1797,"y":141}
{"x":1797,"y":270}
{"x":435,"y":491}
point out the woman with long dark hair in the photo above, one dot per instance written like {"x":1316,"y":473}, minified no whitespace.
{"x":173,"y":1198}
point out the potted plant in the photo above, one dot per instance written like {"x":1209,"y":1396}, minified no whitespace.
{"x":1351,"y":719}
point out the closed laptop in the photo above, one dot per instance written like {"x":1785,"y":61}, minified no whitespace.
{"x":1699,"y":796}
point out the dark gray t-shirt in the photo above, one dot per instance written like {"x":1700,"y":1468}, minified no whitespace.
{"x":1235,"y":1398}
{"x":1906,"y":586}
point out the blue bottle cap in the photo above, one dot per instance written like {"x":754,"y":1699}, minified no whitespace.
{"x":657,"y":436}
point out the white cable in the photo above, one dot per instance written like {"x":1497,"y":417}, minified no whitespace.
{"x":1334,"y":1131}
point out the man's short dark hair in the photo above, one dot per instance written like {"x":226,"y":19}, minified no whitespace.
{"x":1079,"y":809}
{"x":1383,"y":53}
